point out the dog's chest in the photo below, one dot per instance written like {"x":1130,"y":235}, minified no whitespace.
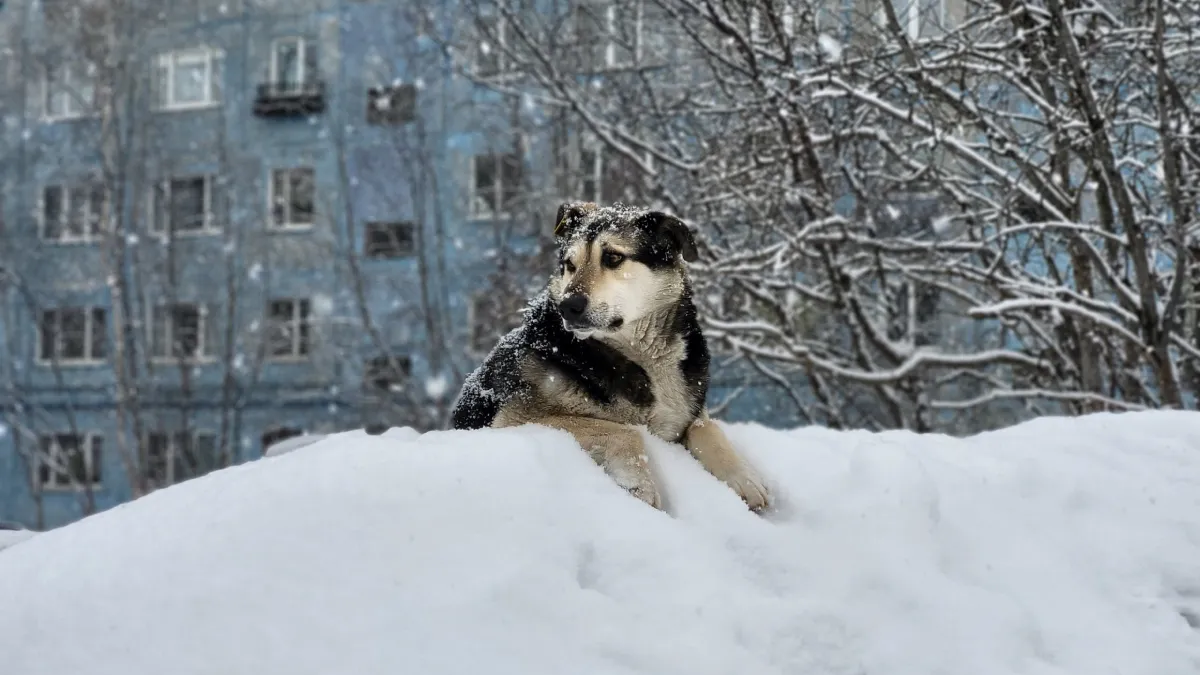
{"x":671,"y":412}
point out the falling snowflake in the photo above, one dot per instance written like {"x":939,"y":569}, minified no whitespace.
{"x":942,"y":224}
{"x":436,"y":387}
{"x":831,"y":48}
{"x":322,"y":304}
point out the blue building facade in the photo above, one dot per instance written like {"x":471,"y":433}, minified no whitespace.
{"x":261,"y":219}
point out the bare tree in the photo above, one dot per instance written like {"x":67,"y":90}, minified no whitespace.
{"x":913,"y":218}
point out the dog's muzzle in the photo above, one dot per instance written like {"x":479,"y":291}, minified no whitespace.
{"x":574,"y":312}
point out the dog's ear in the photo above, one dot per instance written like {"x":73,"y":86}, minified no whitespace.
{"x":673,"y":232}
{"x":568,"y":216}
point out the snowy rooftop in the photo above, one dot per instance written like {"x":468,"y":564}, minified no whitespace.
{"x":1059,"y":546}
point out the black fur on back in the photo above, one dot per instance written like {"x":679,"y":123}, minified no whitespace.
{"x":600,"y":371}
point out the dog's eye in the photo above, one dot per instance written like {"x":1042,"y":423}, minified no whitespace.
{"x":569,"y":266}
{"x":612,"y":260}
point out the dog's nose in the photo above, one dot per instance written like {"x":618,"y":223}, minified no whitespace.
{"x":573,"y":307}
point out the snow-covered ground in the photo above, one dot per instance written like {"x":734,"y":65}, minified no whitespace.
{"x":1059,"y":546}
{"x":13,"y":537}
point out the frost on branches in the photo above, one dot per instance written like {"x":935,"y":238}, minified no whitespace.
{"x":930,"y":222}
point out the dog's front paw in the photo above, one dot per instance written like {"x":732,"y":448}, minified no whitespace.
{"x":750,"y":488}
{"x":635,"y":477}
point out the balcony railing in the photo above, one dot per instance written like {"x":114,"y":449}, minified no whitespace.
{"x":288,"y":99}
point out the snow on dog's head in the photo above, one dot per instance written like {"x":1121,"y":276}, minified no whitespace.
{"x":617,"y":265}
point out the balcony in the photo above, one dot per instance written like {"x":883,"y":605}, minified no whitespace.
{"x":290,"y":99}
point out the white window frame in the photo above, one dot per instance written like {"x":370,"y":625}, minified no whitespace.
{"x":203,"y":349}
{"x":475,"y":210}
{"x":304,"y":80}
{"x":297,"y":319}
{"x":89,"y":322}
{"x":172,"y":451}
{"x":210,"y":225}
{"x":80,"y":91}
{"x":611,"y":17}
{"x":484,"y":44}
{"x":57,"y":458}
{"x":288,"y":225}
{"x":597,"y":170}
{"x":910,"y":17}
{"x":171,"y":61}
{"x":69,"y":191}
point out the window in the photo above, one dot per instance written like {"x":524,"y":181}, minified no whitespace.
{"x":70,"y":91}
{"x":279,"y":435}
{"x":490,"y":316}
{"x":489,"y":46}
{"x":189,"y":78}
{"x":181,"y":331}
{"x":69,"y":461}
{"x":294,"y":67}
{"x":184,"y":205}
{"x":383,"y":375}
{"x":290,"y":327}
{"x":588,"y":172}
{"x":389,"y":240}
{"x":172,"y":457}
{"x":396,"y":104}
{"x":73,"y":335}
{"x":919,"y":18}
{"x":591,"y":174}
{"x":292,"y":196}
{"x":495,"y":185}
{"x":72,"y":213}
{"x":608,"y":36}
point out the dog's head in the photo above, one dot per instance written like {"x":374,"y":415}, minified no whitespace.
{"x":617,"y":265}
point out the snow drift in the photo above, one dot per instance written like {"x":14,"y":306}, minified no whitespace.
{"x":1059,"y":546}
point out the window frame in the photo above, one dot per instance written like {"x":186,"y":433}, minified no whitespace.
{"x":68,"y":193}
{"x":912,"y":18}
{"x":84,"y":105}
{"x":305,"y":81}
{"x":89,"y":336}
{"x":165,"y":99}
{"x":301,"y":347}
{"x":93,"y":463}
{"x":611,"y":18}
{"x":210,"y":225}
{"x":484,"y":42}
{"x":597,"y":171}
{"x":379,"y":365}
{"x":171,"y":456}
{"x":408,"y":252}
{"x":501,"y":213}
{"x":385,"y":117}
{"x":203,"y":352}
{"x":288,"y":224}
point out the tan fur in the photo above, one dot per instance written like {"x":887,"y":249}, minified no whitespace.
{"x":617,"y":448}
{"x":644,"y":300}
{"x":631,"y":291}
{"x":709,"y":445}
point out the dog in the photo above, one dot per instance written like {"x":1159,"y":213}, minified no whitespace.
{"x":612,"y":343}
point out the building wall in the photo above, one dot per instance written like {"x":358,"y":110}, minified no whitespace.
{"x":418,"y":172}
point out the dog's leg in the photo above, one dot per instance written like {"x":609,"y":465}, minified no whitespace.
{"x":709,"y":445}
{"x":617,"y":448}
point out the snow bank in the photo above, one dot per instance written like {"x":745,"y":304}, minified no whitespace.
{"x":1053,"y":547}
{"x":12,"y":538}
